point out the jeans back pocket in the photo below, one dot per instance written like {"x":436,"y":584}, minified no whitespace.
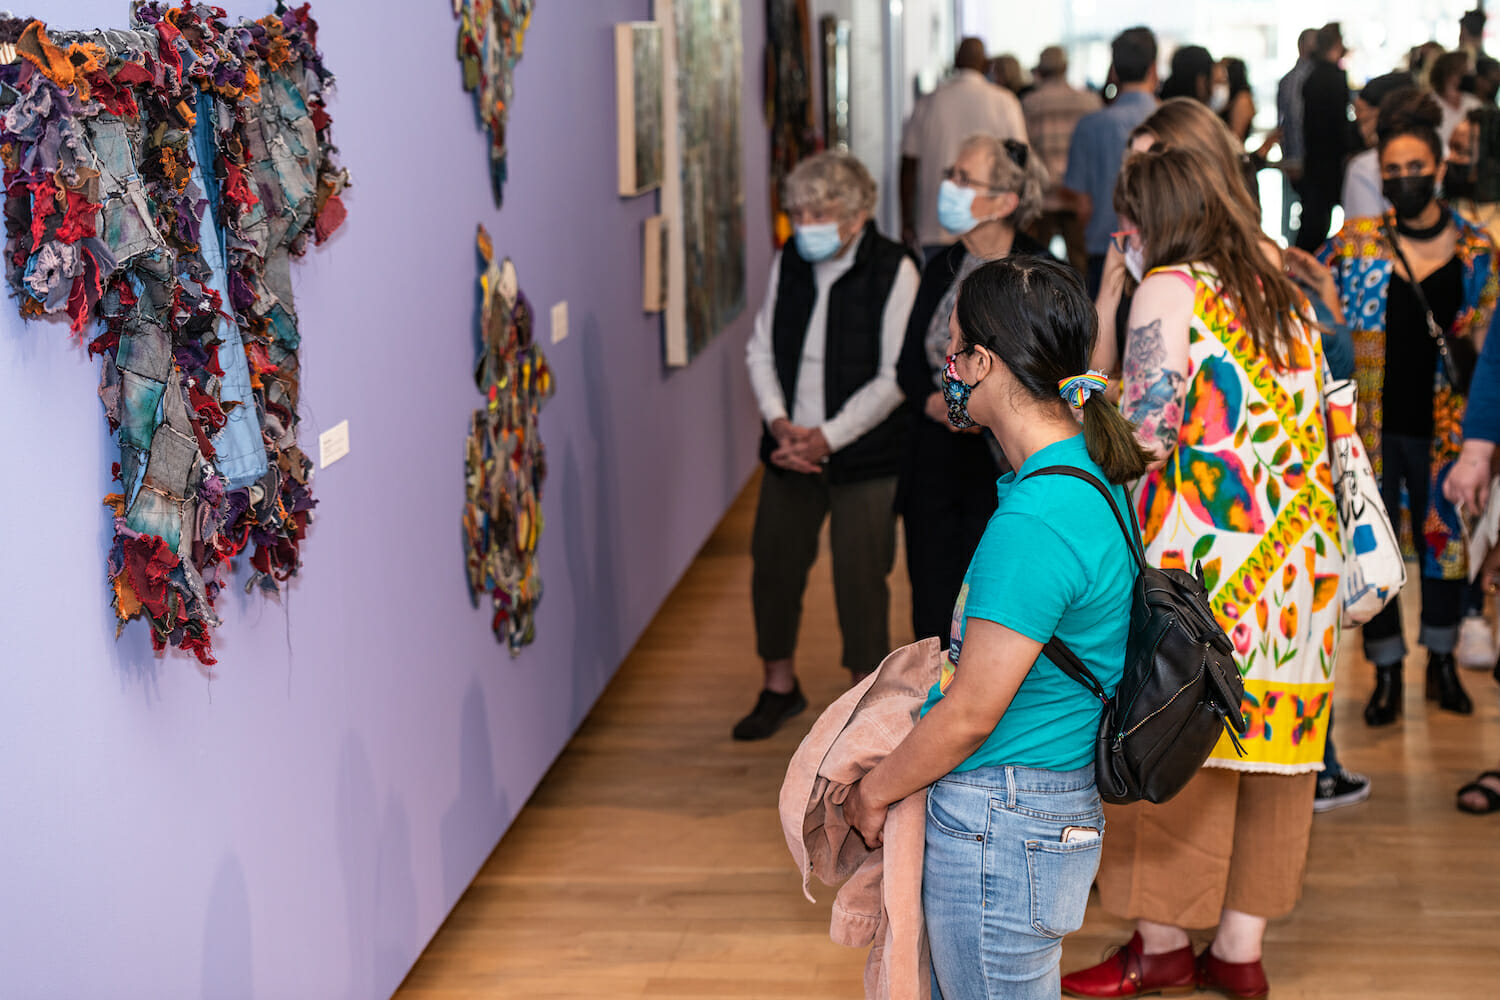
{"x":1061,"y":875}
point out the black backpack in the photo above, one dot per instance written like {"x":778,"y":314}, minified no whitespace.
{"x":1181,"y":688}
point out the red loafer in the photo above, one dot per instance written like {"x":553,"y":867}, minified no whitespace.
{"x":1240,"y":980}
{"x":1131,"y":973}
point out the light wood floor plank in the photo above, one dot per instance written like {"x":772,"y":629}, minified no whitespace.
{"x":650,"y":862}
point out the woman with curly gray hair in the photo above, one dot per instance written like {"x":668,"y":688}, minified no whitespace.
{"x":946,"y":492}
{"x":822,"y":361}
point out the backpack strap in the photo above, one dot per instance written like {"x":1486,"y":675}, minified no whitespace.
{"x":1131,"y":531}
{"x":1056,"y":650}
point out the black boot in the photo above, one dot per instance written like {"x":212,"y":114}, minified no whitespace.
{"x":1385,"y":703}
{"x":1443,"y":686}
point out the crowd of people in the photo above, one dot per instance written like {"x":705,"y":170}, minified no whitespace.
{"x":1178,"y":352}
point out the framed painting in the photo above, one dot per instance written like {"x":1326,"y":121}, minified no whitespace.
{"x":638,"y":90}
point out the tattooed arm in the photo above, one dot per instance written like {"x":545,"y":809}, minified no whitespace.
{"x":1156,"y":362}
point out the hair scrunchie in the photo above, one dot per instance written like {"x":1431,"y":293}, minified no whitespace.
{"x":1079,"y":388}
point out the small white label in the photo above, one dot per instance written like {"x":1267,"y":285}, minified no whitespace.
{"x":559,"y":322}
{"x":333,"y":444}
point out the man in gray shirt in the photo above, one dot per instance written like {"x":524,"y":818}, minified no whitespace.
{"x":1099,"y":144}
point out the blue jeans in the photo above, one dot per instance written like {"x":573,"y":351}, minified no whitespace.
{"x":1000,"y":888}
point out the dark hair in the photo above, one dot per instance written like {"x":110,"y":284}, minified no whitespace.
{"x":1446,"y":68}
{"x":1185,"y":211}
{"x":1190,"y":64}
{"x":1134,"y":54}
{"x":1412,"y":112}
{"x":1033,"y":314}
{"x":1330,"y":37}
{"x":1472,"y":23}
{"x":1239,"y":76}
{"x":1377,"y":90}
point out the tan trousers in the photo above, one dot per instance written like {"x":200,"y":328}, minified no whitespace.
{"x":1229,"y":840}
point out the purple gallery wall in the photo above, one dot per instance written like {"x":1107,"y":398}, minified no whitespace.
{"x":301,"y":825}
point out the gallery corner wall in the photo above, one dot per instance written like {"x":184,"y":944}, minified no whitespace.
{"x":300,"y":825}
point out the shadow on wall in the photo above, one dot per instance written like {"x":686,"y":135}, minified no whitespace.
{"x":227,"y":966}
{"x":595,"y":575}
{"x":380,"y":892}
{"x":472,"y":824}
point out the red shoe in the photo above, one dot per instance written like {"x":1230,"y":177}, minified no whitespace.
{"x":1130,"y":973}
{"x":1240,"y":980}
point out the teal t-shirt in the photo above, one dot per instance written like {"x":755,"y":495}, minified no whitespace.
{"x":1052,"y":561}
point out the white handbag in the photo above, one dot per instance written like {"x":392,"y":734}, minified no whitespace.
{"x":1374,"y":571}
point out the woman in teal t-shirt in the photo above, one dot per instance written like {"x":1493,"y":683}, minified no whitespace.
{"x":1014,"y":821}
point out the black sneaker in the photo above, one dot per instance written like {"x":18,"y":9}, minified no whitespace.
{"x":1342,"y":789}
{"x":771,"y":711}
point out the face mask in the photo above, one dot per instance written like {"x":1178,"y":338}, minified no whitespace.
{"x":1410,"y":195}
{"x":1135,"y":262}
{"x":1219,"y":99}
{"x":955,"y":208}
{"x":956,"y":394}
{"x":819,"y":241}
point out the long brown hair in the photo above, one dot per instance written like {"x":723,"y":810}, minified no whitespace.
{"x":1183,"y":123}
{"x":1180,"y":205}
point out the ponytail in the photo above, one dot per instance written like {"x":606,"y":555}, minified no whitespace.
{"x":1111,"y":441}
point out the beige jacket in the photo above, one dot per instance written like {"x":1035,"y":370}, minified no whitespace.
{"x":880,"y":904}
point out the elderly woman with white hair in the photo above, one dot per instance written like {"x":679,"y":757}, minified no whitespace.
{"x":822,"y":361}
{"x":992,"y":191}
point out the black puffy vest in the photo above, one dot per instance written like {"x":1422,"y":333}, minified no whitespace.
{"x":856,"y":309}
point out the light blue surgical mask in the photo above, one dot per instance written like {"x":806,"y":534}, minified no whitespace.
{"x":955,"y":208}
{"x":818,"y":241}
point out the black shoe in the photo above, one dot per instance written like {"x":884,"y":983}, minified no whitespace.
{"x":1443,"y":686}
{"x":1342,"y":789}
{"x":771,"y":711}
{"x":1385,"y":703}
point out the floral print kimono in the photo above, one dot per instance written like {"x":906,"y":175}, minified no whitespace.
{"x":1363,"y":261}
{"x":1247,"y":493}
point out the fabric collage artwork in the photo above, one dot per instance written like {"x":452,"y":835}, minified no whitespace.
{"x":505,"y":461}
{"x":1248,"y":495}
{"x":490,"y":38}
{"x":159,"y":180}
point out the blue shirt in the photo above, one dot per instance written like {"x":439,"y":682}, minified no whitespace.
{"x":1482,"y":418}
{"x":1052,"y":561}
{"x":1094,"y":159}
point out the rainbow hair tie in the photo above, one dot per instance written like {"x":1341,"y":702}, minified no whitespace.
{"x":1079,"y":388}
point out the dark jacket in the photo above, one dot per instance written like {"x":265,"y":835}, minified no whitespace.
{"x":856,"y":310}
{"x":1328,"y":136}
{"x":936,"y":454}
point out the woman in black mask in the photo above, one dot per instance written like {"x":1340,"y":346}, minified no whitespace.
{"x":1412,"y":282}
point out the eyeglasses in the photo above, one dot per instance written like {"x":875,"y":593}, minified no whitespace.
{"x":1121,"y":239}
{"x":1018,"y":152}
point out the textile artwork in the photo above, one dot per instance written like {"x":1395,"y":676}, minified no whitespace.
{"x":158,"y":182}
{"x":490,"y":37}
{"x":505,"y":461}
{"x":1248,"y":494}
{"x":789,"y":100}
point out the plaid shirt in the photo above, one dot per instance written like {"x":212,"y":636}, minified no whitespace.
{"x":1052,"y":111}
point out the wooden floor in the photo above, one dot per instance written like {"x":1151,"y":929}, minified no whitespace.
{"x":650,"y":862}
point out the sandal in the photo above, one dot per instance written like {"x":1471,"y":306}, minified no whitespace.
{"x":1491,"y":796}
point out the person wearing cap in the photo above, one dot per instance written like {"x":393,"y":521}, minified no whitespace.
{"x":1362,"y":197}
{"x":1052,"y":110}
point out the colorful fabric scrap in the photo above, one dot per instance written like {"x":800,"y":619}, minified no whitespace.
{"x":505,"y":461}
{"x":490,"y":37}
{"x":158,"y":182}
